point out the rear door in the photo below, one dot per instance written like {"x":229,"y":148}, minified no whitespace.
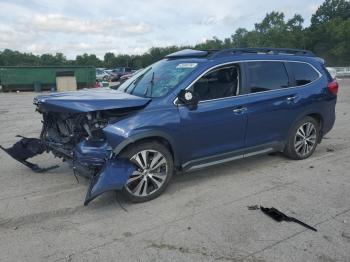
{"x":272,"y":105}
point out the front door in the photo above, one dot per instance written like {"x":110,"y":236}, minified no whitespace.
{"x":217,"y":126}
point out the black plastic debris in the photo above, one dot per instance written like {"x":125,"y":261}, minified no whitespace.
{"x":255,"y":207}
{"x":27,"y":148}
{"x":279,"y":216}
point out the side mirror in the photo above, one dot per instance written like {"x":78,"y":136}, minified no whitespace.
{"x":188,"y":98}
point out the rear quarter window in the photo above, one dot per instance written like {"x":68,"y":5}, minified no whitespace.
{"x":303,"y":73}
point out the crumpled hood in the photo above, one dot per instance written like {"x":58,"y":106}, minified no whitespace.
{"x":88,"y":100}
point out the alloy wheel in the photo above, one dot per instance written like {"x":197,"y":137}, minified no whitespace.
{"x":305,"y":139}
{"x":151,"y":173}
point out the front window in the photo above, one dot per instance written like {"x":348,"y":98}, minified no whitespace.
{"x":158,"y":79}
{"x":218,"y":83}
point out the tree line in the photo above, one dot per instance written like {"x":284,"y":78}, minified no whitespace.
{"x":328,"y":36}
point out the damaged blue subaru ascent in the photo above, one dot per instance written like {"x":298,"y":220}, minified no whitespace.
{"x":191,"y":110}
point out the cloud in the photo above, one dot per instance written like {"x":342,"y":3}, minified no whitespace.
{"x":128,"y":26}
{"x":223,"y":20}
{"x":71,"y":25}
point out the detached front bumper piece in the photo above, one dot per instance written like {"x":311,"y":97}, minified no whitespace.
{"x":112,"y":176}
{"x":28,"y":148}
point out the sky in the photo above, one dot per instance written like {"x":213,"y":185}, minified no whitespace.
{"x":75,"y":27}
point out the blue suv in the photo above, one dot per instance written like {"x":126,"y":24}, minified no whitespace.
{"x":191,"y":110}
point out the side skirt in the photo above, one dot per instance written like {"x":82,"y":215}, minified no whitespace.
{"x":231,"y":156}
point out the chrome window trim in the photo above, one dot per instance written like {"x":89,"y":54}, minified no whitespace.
{"x":248,"y":61}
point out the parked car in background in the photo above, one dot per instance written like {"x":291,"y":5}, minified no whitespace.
{"x":102,"y":75}
{"x":119,"y":72}
{"x":109,"y":72}
{"x":126,"y":77}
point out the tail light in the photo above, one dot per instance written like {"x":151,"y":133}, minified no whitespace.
{"x":333,"y":87}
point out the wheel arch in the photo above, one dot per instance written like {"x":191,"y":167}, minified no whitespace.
{"x":315,"y":115}
{"x":160,"y":137}
{"x":318,"y":117}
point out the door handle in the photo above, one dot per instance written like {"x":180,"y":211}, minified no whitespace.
{"x":239,"y":110}
{"x":291,"y":98}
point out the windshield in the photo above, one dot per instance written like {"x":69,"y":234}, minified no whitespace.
{"x":158,"y":79}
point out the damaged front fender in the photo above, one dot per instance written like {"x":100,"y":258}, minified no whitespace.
{"x":112,"y":176}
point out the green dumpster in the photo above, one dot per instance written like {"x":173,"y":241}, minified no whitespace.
{"x":36,"y":78}
{"x":37,"y":86}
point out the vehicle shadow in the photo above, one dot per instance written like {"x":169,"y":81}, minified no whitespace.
{"x":203,"y":177}
{"x":233,"y":168}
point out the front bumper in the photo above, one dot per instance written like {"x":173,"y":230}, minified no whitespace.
{"x":111,"y":177}
{"x":92,"y":159}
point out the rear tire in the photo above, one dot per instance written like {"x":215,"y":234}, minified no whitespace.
{"x":155,"y":168}
{"x":303,"y":139}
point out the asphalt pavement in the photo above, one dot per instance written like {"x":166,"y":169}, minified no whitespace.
{"x":202,"y":216}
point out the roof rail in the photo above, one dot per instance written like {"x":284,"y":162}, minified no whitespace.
{"x":214,"y":53}
{"x":263,"y":50}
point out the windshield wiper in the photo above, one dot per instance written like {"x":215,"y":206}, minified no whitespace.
{"x":134,"y":83}
{"x":151,"y":86}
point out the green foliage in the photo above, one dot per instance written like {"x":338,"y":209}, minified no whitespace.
{"x":87,"y":59}
{"x":328,"y":36}
{"x":330,"y":10}
{"x":9,"y":58}
{"x":109,"y":60}
{"x":329,"y":33}
{"x":52,"y":60}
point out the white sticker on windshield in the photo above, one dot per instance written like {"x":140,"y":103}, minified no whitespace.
{"x":187,"y":65}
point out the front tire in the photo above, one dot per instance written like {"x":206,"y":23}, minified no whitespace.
{"x":303,"y":139}
{"x":155,"y":168}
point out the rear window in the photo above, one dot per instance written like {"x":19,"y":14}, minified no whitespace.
{"x":303,"y":73}
{"x":265,"y":76}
